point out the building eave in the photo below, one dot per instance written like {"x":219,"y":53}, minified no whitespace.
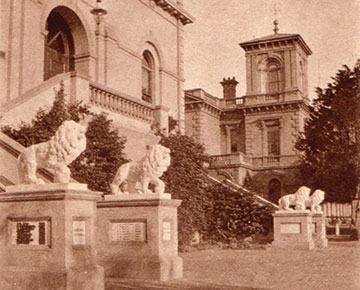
{"x":175,"y":11}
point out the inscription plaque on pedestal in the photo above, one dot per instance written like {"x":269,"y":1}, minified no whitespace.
{"x":290,"y":228}
{"x":79,"y":237}
{"x":128,"y":231}
{"x":30,"y":232}
{"x":166,"y":231}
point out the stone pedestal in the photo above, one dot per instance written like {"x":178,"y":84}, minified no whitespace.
{"x":319,"y":230}
{"x":293,"y":230}
{"x":356,"y":216}
{"x":137,"y":237}
{"x":47,"y":238}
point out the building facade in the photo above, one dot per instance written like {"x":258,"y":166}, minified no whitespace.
{"x":121,"y":57}
{"x":254,"y":135}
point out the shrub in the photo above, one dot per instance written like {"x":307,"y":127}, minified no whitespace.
{"x":219,"y":213}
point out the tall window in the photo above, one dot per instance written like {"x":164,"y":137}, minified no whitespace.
{"x":273,"y":140}
{"x":234,"y":140}
{"x":274,"y":78}
{"x":302,"y":78}
{"x":147,"y":77}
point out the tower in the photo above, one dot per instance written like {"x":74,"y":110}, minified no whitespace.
{"x":276,"y":67}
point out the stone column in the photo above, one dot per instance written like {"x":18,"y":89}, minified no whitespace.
{"x":137,"y":236}
{"x":293,"y":230}
{"x":47,"y":238}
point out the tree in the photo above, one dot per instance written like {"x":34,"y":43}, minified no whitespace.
{"x":186,"y":180}
{"x":328,"y":143}
{"x":97,"y":165}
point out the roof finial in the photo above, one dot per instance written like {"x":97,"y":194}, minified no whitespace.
{"x":276,"y":22}
{"x":276,"y":29}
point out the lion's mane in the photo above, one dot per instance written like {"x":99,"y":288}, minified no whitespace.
{"x":315,"y":200}
{"x":63,"y":148}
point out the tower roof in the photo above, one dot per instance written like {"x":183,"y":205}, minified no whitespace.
{"x":275,"y":38}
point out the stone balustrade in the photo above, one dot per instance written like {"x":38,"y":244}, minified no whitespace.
{"x":120,"y":103}
{"x":264,"y":98}
{"x":234,"y":159}
{"x":231,"y":103}
{"x":228,"y":159}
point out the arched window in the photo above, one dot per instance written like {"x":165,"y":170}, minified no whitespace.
{"x":147,"y":77}
{"x":59,"y":47}
{"x":273,"y":77}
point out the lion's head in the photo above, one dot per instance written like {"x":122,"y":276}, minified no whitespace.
{"x":317,"y":197}
{"x":302,"y":193}
{"x":67,"y":143}
{"x":157,"y":160}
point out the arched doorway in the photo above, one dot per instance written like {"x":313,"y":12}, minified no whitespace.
{"x":274,"y":190}
{"x":59,"y":46}
{"x":66,"y":44}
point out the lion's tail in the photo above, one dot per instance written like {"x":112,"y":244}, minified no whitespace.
{"x":21,"y":166}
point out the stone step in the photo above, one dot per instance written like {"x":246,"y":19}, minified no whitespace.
{"x":120,"y":284}
{"x":339,"y":238}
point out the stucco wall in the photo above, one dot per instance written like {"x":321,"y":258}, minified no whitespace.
{"x":210,"y":133}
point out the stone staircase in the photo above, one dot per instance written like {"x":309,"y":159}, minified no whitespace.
{"x":238,"y":187}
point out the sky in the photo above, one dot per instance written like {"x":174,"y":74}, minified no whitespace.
{"x":331,"y":28}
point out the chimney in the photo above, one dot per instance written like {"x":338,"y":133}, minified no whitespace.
{"x":229,"y":87}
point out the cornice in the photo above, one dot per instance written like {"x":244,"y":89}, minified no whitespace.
{"x":202,"y":106}
{"x":268,"y":107}
{"x":275,"y":42}
{"x":175,"y":10}
{"x":139,"y":203}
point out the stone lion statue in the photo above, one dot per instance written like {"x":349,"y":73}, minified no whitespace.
{"x":136,"y":176}
{"x":315,"y":200}
{"x":298,"y":199}
{"x":62,"y":149}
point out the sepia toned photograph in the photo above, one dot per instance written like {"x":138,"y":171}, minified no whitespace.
{"x":179,"y":144}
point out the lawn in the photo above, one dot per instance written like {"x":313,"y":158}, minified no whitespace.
{"x":336,"y":267}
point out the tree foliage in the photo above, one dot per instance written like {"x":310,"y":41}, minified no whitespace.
{"x":219,"y":213}
{"x":328,"y":142}
{"x":97,"y":165}
{"x":186,"y":180}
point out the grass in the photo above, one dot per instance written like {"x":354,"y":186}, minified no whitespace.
{"x":336,"y":267}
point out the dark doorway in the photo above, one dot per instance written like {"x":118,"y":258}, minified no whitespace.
{"x":59,"y":47}
{"x":274,"y":190}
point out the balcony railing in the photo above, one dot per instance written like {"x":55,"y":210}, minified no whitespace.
{"x":228,"y":160}
{"x":231,"y":103}
{"x":235,"y":159}
{"x":119,"y":103}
